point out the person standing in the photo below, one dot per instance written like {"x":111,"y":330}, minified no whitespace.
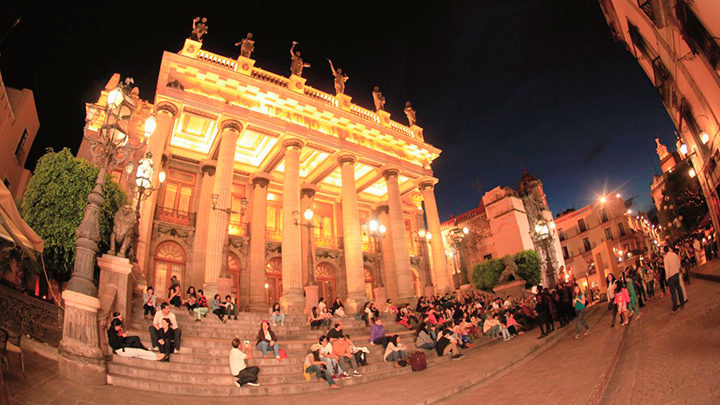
{"x":238,"y":368}
{"x":580,"y":304}
{"x":672,"y":272}
{"x":611,"y":286}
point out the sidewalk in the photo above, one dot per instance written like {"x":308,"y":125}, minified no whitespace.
{"x":708,"y":271}
{"x":44,"y":386}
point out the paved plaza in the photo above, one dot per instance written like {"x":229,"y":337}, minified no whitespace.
{"x":661,"y":358}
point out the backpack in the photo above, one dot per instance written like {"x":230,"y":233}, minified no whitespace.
{"x":361,"y":358}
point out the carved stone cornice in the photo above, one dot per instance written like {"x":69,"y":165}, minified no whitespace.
{"x":325,"y":173}
{"x":169,"y":108}
{"x":274,"y":161}
{"x":293,"y":143}
{"x":232,"y":125}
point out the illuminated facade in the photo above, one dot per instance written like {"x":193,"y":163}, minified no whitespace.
{"x":267,"y":147}
{"x":676,"y":43}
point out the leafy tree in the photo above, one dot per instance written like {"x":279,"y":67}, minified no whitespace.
{"x":683,"y":205}
{"x":54,"y":204}
{"x":486,"y":274}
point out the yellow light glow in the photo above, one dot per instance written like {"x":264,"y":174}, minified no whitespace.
{"x":692,"y":173}
{"x":704,"y":137}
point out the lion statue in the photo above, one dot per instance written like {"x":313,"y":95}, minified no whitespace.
{"x":510,"y":270}
{"x":123,"y":225}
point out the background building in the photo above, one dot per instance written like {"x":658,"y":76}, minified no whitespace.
{"x":676,"y":42}
{"x":246,"y":152}
{"x":505,"y":222}
{"x":19,"y":124}
{"x":599,"y":239}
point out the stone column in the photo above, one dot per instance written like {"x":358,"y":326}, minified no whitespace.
{"x":352,"y":240}
{"x":258,"y":219}
{"x":216,"y":256}
{"x":437,"y":245}
{"x":80,"y":358}
{"x":202,"y":223}
{"x":389,"y":275}
{"x":406,"y":290}
{"x":292,"y":299}
{"x":307,"y":200}
{"x":165,"y":116}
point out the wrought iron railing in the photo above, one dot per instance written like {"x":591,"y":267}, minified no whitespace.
{"x":172,"y":216}
{"x":39,"y":319}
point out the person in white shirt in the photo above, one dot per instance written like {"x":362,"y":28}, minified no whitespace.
{"x":157,"y":325}
{"x":672,"y":273}
{"x":243,"y":373}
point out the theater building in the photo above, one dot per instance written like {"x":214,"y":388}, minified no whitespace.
{"x":245,"y":153}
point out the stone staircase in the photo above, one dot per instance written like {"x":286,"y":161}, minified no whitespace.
{"x":201,"y":367}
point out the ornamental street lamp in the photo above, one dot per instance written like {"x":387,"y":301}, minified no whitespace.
{"x":455,"y":237}
{"x":544,"y":233}
{"x":224,"y":270}
{"x":422,"y":238}
{"x":80,"y":357}
{"x":142,"y":188}
{"x":308,"y":215}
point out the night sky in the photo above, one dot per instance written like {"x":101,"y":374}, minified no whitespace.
{"x":498,"y":85}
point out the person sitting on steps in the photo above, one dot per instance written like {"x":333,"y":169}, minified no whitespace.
{"x":341,"y":349}
{"x":426,"y":337}
{"x":230,"y":308}
{"x":218,"y":308}
{"x":276,"y":315}
{"x":149,"y":302}
{"x":377,"y":333}
{"x":315,"y":320}
{"x":336,"y":332}
{"x":116,"y":341}
{"x":313,"y":364}
{"x":155,"y":328}
{"x":190,"y":299}
{"x":338,"y":309}
{"x":266,"y":339}
{"x":447,"y":344}
{"x":332,"y":361}
{"x":122,"y":337}
{"x":238,"y":368}
{"x":166,"y":339}
{"x":202,"y":308}
{"x":395,"y":351}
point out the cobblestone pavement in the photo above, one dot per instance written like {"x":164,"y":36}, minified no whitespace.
{"x":672,"y":358}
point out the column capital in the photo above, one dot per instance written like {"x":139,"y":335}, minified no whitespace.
{"x":343,"y":159}
{"x":169,"y":108}
{"x":293,"y":143}
{"x":427,"y":183}
{"x":260,"y":179}
{"x":391,"y":172}
{"x":308,"y":190}
{"x":208,"y":167}
{"x":383,"y":208}
{"x":231,"y":125}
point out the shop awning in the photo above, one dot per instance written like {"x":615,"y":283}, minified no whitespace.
{"x":12,"y":226}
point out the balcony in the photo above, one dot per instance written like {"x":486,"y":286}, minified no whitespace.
{"x":238,"y":229}
{"x":328,"y":242}
{"x":273,"y":235}
{"x":176,"y":217}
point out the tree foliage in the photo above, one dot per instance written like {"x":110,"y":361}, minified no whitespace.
{"x":54,"y":203}
{"x":485,"y":275}
{"x":683,"y":205}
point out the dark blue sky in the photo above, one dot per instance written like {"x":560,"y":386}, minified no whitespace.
{"x":498,"y":86}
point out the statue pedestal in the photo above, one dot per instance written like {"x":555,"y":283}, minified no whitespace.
{"x":79,"y":356}
{"x":245,"y":65}
{"x":429,"y":291}
{"x":191,"y":48}
{"x":384,"y":118}
{"x":312,"y":294}
{"x":343,"y":101}
{"x":380,"y":298}
{"x":224,"y":287}
{"x":138,"y":278}
{"x":115,"y":292}
{"x":293,"y":302}
{"x":297,"y":84}
{"x":515,"y":289}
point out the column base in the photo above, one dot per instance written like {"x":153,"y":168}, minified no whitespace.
{"x":380,"y":297}
{"x":312,"y":294}
{"x":429,"y":291}
{"x":356,"y":300}
{"x":292,"y":301}
{"x":224,"y":287}
{"x":210,"y":288}
{"x":258,"y":305}
{"x":80,"y":358}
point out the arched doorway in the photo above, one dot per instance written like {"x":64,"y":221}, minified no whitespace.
{"x":169,"y":261}
{"x":325,"y":277}
{"x":273,"y":280}
{"x":369,"y":283}
{"x":234,"y":269}
{"x":417,"y":282}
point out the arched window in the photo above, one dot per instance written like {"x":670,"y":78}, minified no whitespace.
{"x":169,"y":261}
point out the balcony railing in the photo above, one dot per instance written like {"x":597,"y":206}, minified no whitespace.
{"x":273,"y":235}
{"x":328,"y":242}
{"x":39,"y":319}
{"x":238,"y":229}
{"x":175,"y":217}
{"x":367,"y":246}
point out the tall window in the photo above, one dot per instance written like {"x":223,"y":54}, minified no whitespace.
{"x":178,"y":193}
{"x":697,"y":36}
{"x":603,"y":215}
{"x":586,"y":244}
{"x":621,"y":227}
{"x":21,"y":145}
{"x":566,"y":254}
{"x":608,"y":234}
{"x":582,"y":225}
{"x":561,"y":234}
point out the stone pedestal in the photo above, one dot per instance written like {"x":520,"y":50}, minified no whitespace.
{"x":79,"y":356}
{"x":297,"y":84}
{"x":115,"y":271}
{"x":380,"y":297}
{"x":312,"y":294}
{"x":138,"y":279}
{"x":245,"y":65}
{"x":343,"y":101}
{"x":191,"y":48}
{"x":293,"y":302}
{"x":224,"y":286}
{"x":429,"y":291}
{"x":515,"y":289}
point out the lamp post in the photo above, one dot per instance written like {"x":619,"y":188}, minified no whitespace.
{"x":455,"y":238}
{"x":224,"y":282}
{"x":544,"y":232}
{"x":311,"y":289}
{"x":80,"y":357}
{"x":422,"y":238}
{"x":377,"y":230}
{"x":142,"y":188}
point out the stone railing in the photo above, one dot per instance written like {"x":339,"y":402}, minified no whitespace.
{"x":39,"y":319}
{"x":364,"y":113}
{"x":238,"y":229}
{"x":320,"y":96}
{"x":175,"y":217}
{"x":273,"y":235}
{"x":266,"y":76}
{"x":217,"y":60}
{"x":327,"y":242}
